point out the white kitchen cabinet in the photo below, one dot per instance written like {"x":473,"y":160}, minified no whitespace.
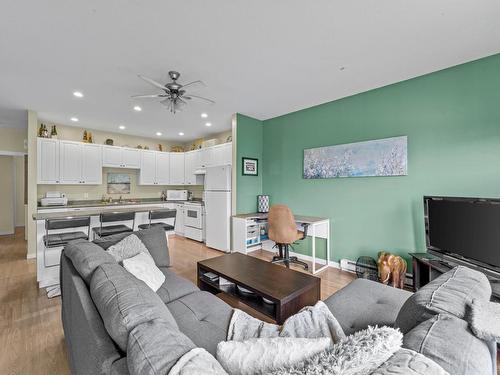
{"x":190,"y":167}
{"x":154,"y":168}
{"x":162,"y":168}
{"x":47,"y":161}
{"x":227,"y":153}
{"x":70,"y":162}
{"x":131,"y":158}
{"x":80,"y":163}
{"x":179,"y":219}
{"x":206,"y":157}
{"x":177,"y":168}
{"x":121,"y":157}
{"x":92,"y":164}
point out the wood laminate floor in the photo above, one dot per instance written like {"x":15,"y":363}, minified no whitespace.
{"x":31,"y":334}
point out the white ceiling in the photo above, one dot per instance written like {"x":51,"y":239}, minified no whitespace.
{"x":261,"y":58}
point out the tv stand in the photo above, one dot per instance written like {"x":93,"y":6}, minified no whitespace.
{"x":427,"y":267}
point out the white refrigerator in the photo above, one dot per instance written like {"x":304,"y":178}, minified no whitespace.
{"x":218,"y":207}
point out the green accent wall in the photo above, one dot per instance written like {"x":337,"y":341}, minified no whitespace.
{"x":249,"y":135}
{"x":452,"y":120}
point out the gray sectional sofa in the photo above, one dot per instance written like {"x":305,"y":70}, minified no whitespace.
{"x":91,"y":280}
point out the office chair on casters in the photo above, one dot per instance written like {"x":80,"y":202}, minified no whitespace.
{"x":283,"y":231}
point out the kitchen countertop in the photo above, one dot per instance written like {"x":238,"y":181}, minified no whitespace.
{"x":94,"y":208}
{"x":298,"y":218}
{"x":100,"y":203}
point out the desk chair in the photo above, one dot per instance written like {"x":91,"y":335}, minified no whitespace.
{"x":283,"y":231}
{"x":113,"y":217}
{"x":158,"y":215}
{"x":62,"y":238}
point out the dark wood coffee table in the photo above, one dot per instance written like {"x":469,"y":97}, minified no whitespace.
{"x":288,"y":290}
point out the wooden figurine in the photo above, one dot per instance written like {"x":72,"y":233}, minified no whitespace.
{"x":85,"y":136}
{"x":391,"y":268}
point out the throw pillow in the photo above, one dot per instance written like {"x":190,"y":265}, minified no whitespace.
{"x":409,"y":362}
{"x":359,"y":354}
{"x":197,"y":362}
{"x":124,"y":302}
{"x":447,"y":340}
{"x":263,"y":355}
{"x":86,"y":257}
{"x":154,"y":239}
{"x":143,"y":267}
{"x":129,"y":247}
{"x":450,"y":293}
{"x":484,"y":320}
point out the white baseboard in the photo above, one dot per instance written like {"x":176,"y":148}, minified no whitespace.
{"x":30,"y":256}
{"x":318,"y":260}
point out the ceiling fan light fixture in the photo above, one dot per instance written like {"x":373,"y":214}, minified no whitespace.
{"x":204,"y":115}
{"x":137,"y":108}
{"x":78,"y":94}
{"x":74,"y":119}
{"x":181,"y":134}
{"x":159,"y":134}
{"x":121,"y":127}
{"x":208,"y":124}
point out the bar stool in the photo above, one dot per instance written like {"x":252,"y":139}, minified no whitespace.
{"x":158,"y":215}
{"x":113,"y":217}
{"x":62,"y":238}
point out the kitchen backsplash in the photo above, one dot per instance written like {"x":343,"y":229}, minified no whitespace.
{"x":79,"y":192}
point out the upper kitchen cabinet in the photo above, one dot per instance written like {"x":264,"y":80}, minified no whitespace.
{"x":221,"y":154}
{"x":121,"y":157}
{"x":177,"y":168}
{"x":80,"y":163}
{"x":47,"y":161}
{"x":192,"y":162}
{"x":155,"y":168}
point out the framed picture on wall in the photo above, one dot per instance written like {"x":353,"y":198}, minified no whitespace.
{"x":250,"y":166}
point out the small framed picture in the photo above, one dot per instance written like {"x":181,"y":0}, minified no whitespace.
{"x":250,"y":167}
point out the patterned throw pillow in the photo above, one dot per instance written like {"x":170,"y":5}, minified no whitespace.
{"x":129,"y":247}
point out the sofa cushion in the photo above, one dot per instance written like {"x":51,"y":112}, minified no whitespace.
{"x":450,"y":293}
{"x":364,"y":302}
{"x":154,"y":239}
{"x":174,"y":286}
{"x":448,"y":341}
{"x":86,"y":257}
{"x":154,"y":347}
{"x":203,"y":318}
{"x":124,"y":302}
{"x":409,"y":362}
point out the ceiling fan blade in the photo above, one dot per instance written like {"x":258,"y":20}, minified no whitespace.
{"x":199,"y":97}
{"x":149,"y":96}
{"x":152,"y":82}
{"x":197,"y":82}
{"x":182,"y":101}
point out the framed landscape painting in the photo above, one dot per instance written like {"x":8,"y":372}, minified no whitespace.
{"x":381,"y":157}
{"x":118,"y":183}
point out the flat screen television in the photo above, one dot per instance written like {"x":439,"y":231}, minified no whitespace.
{"x":464,"y":228}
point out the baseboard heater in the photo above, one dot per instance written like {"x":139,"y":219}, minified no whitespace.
{"x":350,"y":266}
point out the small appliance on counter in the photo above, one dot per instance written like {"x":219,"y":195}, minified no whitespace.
{"x":54,"y":198}
{"x":177,"y":195}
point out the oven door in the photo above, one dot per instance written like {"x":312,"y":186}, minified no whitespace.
{"x":192,"y":216}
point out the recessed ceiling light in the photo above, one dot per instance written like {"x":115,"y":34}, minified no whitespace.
{"x":204,"y":115}
{"x":122,"y":127}
{"x":78,"y":94}
{"x":137,"y":108}
{"x":208,"y":124}
{"x":181,"y":133}
{"x":74,"y":119}
{"x":158,"y":134}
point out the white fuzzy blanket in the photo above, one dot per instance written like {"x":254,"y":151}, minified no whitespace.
{"x":311,"y":322}
{"x":255,"y":347}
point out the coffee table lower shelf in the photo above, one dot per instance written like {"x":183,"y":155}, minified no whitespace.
{"x":255,"y":301}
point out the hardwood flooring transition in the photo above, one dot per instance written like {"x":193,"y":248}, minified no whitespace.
{"x":31,"y":334}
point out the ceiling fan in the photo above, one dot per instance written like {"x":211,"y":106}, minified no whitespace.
{"x":174,"y":95}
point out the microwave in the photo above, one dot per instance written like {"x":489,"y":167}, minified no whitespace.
{"x":177,"y":195}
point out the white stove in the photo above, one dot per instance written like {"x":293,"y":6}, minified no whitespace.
{"x":194,"y":220}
